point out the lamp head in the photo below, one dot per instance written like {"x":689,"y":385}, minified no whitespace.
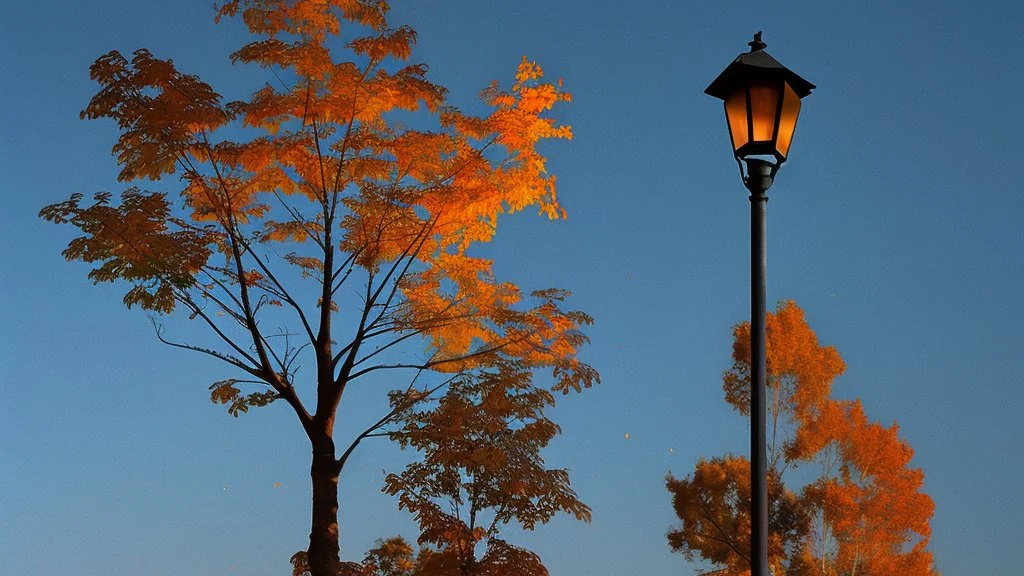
{"x":762,"y":102}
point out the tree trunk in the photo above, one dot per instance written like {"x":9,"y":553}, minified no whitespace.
{"x":324,"y":552}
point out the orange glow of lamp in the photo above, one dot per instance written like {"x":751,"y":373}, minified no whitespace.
{"x":762,"y":103}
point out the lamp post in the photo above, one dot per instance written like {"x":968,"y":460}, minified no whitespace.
{"x":762,"y":102}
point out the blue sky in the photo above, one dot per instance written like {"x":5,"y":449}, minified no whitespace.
{"x":895,"y":225}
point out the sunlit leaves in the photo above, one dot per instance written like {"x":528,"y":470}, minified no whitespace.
{"x":310,"y":265}
{"x":391,"y":557}
{"x":797,"y":365}
{"x":475,"y":313}
{"x":399,"y":186}
{"x":863,"y":514}
{"x":274,"y":17}
{"x":285,"y":232}
{"x":395,"y":193}
{"x":388,"y":44}
{"x":878,"y":513}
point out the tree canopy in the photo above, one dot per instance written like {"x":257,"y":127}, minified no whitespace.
{"x":863,"y":511}
{"x":331,"y":219}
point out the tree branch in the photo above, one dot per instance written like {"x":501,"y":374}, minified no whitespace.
{"x":370,"y":432}
{"x":283,"y":292}
{"x":421,"y":238}
{"x":725,"y":536}
{"x":243,"y":289}
{"x":433,"y":363}
{"x":218,"y":355}
{"x":312,"y":233}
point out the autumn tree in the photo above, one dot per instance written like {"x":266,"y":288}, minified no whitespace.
{"x":870,"y":513}
{"x":396,"y":557}
{"x":715,"y":525}
{"x":481,"y":470}
{"x":312,"y":223}
{"x":863,"y":512}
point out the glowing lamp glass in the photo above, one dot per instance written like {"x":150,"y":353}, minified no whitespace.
{"x":762,"y":103}
{"x":762,"y":117}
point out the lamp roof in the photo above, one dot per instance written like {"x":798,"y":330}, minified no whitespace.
{"x":756,"y":63}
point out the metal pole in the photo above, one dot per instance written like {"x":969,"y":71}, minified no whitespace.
{"x":759,"y":179}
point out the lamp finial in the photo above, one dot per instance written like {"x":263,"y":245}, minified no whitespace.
{"x":757,"y":44}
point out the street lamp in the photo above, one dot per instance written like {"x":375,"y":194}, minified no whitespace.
{"x":762,"y":102}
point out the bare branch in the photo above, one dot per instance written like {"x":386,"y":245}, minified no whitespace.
{"x":431,"y":363}
{"x":311,"y":232}
{"x":421,"y":238}
{"x":233,"y":236}
{"x":218,"y":355}
{"x":282,"y":292}
{"x":185,"y":299}
{"x":235,"y":314}
{"x":352,"y":347}
{"x":381,"y":349}
{"x":347,"y":265}
{"x":397,"y":409}
{"x":270,"y":349}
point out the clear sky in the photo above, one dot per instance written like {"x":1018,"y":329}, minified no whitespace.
{"x":896,"y":225}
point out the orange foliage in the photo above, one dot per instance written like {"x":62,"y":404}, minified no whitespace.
{"x":482,"y":469}
{"x":712,"y":506}
{"x":865,"y":514}
{"x":877,"y":514}
{"x":330,"y":188}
